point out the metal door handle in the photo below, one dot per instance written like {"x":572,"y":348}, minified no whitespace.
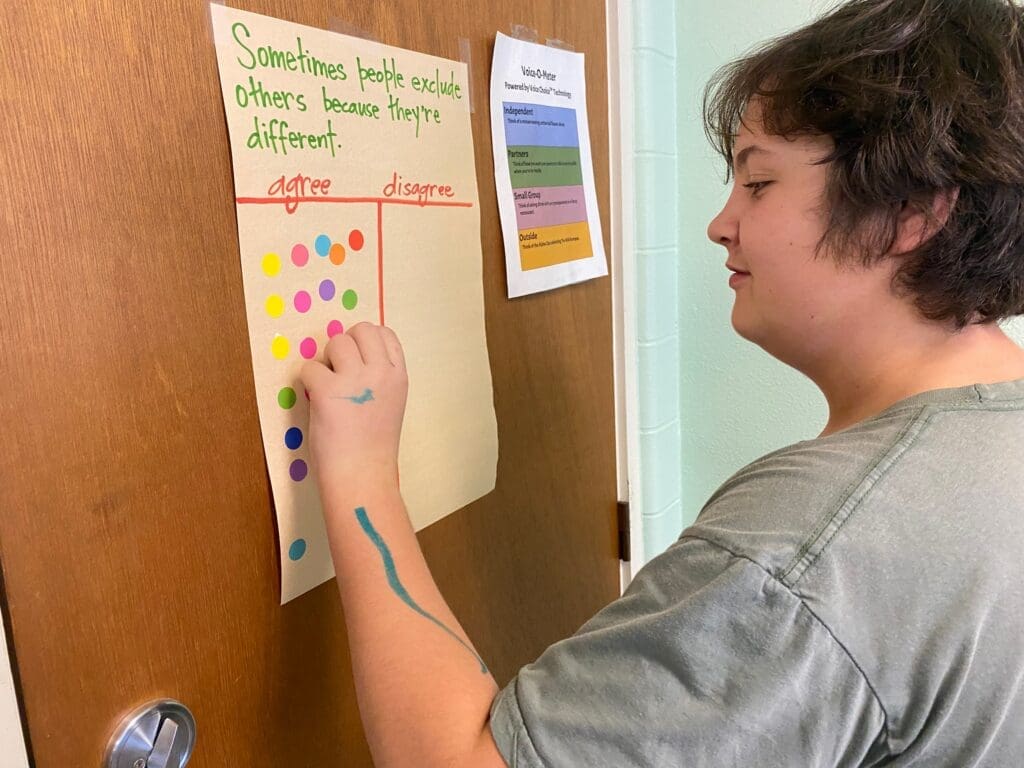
{"x":160,"y":734}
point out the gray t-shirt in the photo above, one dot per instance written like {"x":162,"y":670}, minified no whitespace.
{"x":852,"y":600}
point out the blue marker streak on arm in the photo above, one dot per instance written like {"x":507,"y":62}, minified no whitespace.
{"x":396,"y":584}
{"x":358,"y":399}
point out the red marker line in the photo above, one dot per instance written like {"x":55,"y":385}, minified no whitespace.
{"x":378,"y":200}
{"x":380,"y":258}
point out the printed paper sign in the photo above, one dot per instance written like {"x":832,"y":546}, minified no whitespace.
{"x":543,"y":168}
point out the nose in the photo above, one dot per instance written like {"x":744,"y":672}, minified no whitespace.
{"x":724,"y":228}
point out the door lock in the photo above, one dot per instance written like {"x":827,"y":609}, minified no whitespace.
{"x":160,"y":734}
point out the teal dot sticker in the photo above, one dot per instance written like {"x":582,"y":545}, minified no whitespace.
{"x":322,"y":244}
{"x":349,"y":299}
{"x":297,"y":549}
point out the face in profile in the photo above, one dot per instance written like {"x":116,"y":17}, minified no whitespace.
{"x":791,"y":298}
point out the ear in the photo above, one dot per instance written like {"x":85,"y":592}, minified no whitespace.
{"x":919,"y":220}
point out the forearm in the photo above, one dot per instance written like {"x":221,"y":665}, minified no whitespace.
{"x":423,"y":693}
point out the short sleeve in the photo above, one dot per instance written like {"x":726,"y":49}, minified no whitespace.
{"x":706,"y":660}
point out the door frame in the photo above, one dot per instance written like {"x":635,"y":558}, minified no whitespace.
{"x":621,"y":146}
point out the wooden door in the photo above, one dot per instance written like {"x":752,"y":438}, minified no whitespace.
{"x":137,"y":535}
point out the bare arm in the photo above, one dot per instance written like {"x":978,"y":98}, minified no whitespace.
{"x":423,"y":691}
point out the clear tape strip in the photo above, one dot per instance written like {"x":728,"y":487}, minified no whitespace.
{"x":466,"y":56}
{"x":344,"y":27}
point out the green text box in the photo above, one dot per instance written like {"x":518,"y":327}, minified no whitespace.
{"x":544,"y":166}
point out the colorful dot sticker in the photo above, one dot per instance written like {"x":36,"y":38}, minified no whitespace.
{"x":300,"y":255}
{"x":337,"y":254}
{"x":349,"y":299}
{"x":334,"y":328}
{"x":355,"y":240}
{"x":297,"y":549}
{"x":275,"y":305}
{"x":302,"y":301}
{"x":308,"y":348}
{"x":298,"y":470}
{"x":322,"y":244}
{"x":286,"y":397}
{"x":279,"y":347}
{"x":271,"y":264}
{"x":326,"y":290}
{"x":293,"y":438}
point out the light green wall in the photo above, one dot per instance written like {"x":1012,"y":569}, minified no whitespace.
{"x":735,"y":402}
{"x":656,"y":180}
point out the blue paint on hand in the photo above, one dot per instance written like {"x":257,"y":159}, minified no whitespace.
{"x":358,"y":399}
{"x":396,"y":584}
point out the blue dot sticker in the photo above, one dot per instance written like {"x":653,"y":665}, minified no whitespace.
{"x":322,"y":245}
{"x":293,"y":438}
{"x":297,"y":549}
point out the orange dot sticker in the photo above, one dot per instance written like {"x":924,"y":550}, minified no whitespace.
{"x":337,"y":254}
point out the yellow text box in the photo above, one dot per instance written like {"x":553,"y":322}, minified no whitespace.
{"x":546,"y":246}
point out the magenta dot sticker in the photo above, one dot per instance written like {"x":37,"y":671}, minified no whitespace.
{"x":327,"y":290}
{"x":303,"y":301}
{"x":334,"y":328}
{"x":308,"y":348}
{"x":300,"y":255}
{"x":298,"y":470}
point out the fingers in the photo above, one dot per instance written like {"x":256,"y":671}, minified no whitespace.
{"x":342,"y":352}
{"x":370,"y":341}
{"x":315,"y":376}
{"x":393,"y":347}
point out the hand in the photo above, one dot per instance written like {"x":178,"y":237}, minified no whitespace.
{"x":356,"y":407}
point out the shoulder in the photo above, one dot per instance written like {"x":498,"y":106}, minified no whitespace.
{"x":773,"y":508}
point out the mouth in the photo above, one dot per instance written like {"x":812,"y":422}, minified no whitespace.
{"x":736,"y":270}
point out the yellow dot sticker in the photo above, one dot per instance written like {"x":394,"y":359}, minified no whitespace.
{"x":275,"y":305}
{"x":279,"y":347}
{"x":271,"y":264}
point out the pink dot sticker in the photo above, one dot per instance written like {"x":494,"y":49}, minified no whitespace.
{"x":334,"y":328}
{"x":300,"y":255}
{"x":303,"y":301}
{"x":308,"y":348}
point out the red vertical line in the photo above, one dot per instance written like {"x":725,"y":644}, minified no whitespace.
{"x":380,"y":258}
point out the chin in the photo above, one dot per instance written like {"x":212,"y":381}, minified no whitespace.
{"x":744,"y":328}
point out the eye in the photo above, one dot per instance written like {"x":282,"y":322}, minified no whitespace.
{"x":756,"y":187}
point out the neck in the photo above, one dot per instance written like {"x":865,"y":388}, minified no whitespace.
{"x":867,"y":376}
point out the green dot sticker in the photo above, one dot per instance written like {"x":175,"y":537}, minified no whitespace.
{"x":349,"y":299}
{"x":286,"y":397}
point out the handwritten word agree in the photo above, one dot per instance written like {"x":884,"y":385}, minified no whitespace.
{"x":298,"y":186}
{"x":423,"y":192}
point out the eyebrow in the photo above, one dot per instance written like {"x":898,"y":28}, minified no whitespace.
{"x":740,"y":161}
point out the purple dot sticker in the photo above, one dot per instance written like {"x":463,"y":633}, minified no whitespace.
{"x":334,"y":328}
{"x":303,"y":301}
{"x":298,"y":470}
{"x":327,"y":290}
{"x":308,"y":348}
{"x":300,"y":255}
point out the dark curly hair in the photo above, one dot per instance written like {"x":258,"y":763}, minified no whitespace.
{"x":921,"y":98}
